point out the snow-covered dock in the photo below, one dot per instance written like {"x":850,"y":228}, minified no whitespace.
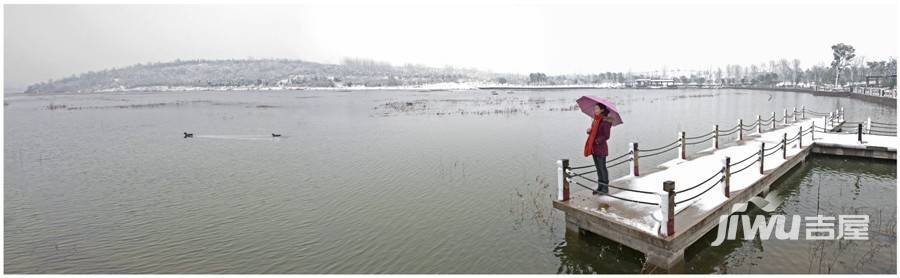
{"x":664,"y":212}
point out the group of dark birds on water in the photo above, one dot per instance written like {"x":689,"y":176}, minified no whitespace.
{"x":191,"y":135}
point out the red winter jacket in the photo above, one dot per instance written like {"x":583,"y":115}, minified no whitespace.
{"x":600,"y":148}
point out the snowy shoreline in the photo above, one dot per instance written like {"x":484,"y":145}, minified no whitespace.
{"x":428,"y":87}
{"x":449,"y":86}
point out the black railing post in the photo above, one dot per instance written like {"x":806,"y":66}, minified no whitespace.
{"x":740,"y":129}
{"x":716,"y":137}
{"x":669,"y":209}
{"x":635,"y":158}
{"x":762,"y":157}
{"x":784,"y":146}
{"x":859,"y":131}
{"x":727,"y":176}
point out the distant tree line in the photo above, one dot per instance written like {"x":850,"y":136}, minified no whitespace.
{"x":845,"y":69}
{"x":259,"y":72}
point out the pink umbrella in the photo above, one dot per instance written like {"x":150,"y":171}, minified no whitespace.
{"x":587,"y":103}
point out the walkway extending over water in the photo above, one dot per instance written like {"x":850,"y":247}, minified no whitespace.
{"x":664,"y":212}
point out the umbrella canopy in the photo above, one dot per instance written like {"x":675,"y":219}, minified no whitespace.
{"x":587,"y":103}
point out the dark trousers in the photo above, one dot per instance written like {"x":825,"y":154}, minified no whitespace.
{"x":602,"y":174}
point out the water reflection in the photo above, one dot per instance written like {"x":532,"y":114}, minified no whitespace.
{"x":586,"y":253}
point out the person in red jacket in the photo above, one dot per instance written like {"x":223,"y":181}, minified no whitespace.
{"x":596,"y":146}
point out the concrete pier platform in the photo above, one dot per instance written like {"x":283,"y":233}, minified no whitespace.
{"x":644,"y":226}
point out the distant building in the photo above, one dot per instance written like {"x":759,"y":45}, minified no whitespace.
{"x":654,"y":83}
{"x":881,"y":81}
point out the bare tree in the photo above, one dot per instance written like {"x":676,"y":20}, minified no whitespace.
{"x":843,"y":54}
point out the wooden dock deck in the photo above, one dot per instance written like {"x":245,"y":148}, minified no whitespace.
{"x":639,"y":212}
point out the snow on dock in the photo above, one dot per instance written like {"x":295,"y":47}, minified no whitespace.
{"x":636,"y":211}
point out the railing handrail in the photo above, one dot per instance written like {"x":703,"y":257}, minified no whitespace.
{"x":569,"y":173}
{"x":613,"y":196}
{"x":727,"y":132}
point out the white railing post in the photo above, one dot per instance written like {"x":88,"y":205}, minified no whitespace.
{"x":773,"y":120}
{"x":803,"y":112}
{"x":758,"y":124}
{"x":562,"y":180}
{"x":869,"y":125}
{"x":828,"y":121}
{"x":667,"y":207}
{"x":812,"y":133}
{"x":784,"y":120}
{"x":795,"y":113}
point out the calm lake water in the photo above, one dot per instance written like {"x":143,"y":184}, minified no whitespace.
{"x":379,"y":182}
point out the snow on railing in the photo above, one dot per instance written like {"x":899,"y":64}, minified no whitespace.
{"x":667,"y":201}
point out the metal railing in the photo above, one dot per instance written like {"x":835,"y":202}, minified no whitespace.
{"x":667,"y":201}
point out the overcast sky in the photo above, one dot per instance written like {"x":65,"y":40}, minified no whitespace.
{"x":42,"y":42}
